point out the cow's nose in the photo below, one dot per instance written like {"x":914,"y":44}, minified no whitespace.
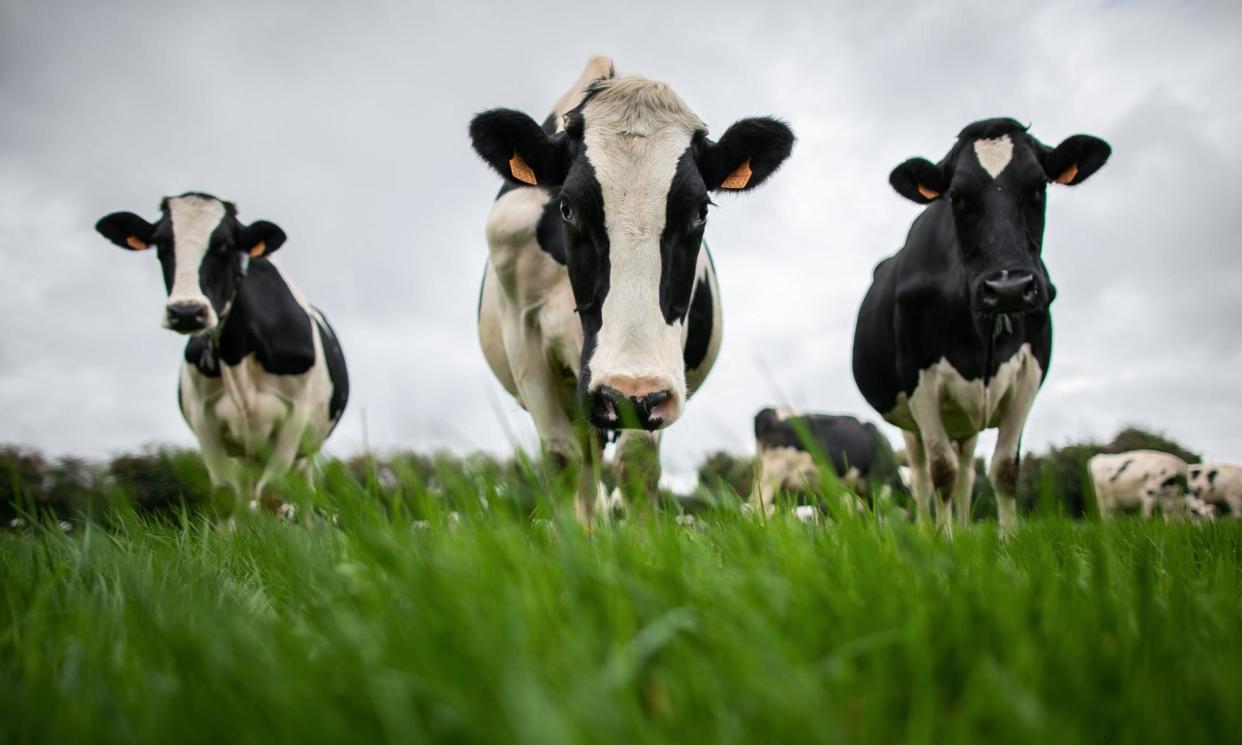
{"x":648,"y":407}
{"x":187,"y":317}
{"x":1009,"y":292}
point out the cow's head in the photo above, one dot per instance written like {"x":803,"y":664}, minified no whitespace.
{"x":632,"y":169}
{"x":994,"y":181}
{"x":204,"y":251}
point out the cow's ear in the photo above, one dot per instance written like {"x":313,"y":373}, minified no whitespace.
{"x":126,"y":230}
{"x":519,"y":149}
{"x":1073,"y":161}
{"x":919,"y":180}
{"x":747,"y":153}
{"x":260,"y":238}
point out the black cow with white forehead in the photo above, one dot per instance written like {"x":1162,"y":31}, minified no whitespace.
{"x":600,"y":298}
{"x":955,"y":334}
{"x":263,"y":377}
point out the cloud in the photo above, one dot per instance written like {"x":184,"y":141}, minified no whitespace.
{"x":347,"y":128}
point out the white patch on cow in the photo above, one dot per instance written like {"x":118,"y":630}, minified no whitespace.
{"x":598,"y":67}
{"x":193,"y":220}
{"x":994,"y":155}
{"x":1135,"y":480}
{"x":636,"y":132}
{"x":946,"y":409}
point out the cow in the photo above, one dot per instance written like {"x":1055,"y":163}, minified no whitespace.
{"x":1219,"y":485}
{"x":263,"y":379}
{"x":954,"y":335}
{"x":1139,"y":479}
{"x":790,"y":446}
{"x":599,"y":310}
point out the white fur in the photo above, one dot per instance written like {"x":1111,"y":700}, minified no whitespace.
{"x":1137,"y":485}
{"x":636,"y":131}
{"x":1225,"y":489}
{"x":943,"y":417}
{"x":994,"y":155}
{"x":193,"y":220}
{"x":269,"y":418}
{"x":791,"y":469}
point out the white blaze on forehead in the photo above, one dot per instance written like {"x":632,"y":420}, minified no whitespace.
{"x":193,"y":220}
{"x":636,"y":131}
{"x":995,"y":154}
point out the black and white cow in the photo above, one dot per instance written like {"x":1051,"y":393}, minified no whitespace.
{"x":599,"y":301}
{"x":263,"y":379}
{"x":1218,"y":484}
{"x":789,"y":444}
{"x":1142,"y":480}
{"x":955,"y":336}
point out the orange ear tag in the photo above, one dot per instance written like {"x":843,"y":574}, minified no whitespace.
{"x":258,"y":250}
{"x":739,"y":178}
{"x":521,"y":171}
{"x":136,"y":244}
{"x":928,"y":194}
{"x":1068,"y":175}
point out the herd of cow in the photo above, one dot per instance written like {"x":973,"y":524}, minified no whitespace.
{"x":600,"y":311}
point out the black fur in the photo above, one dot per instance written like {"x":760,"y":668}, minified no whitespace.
{"x":927,"y":302}
{"x":334,"y":356}
{"x":1124,"y":466}
{"x":699,"y":323}
{"x":764,"y":141}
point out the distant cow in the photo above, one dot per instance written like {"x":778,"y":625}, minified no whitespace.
{"x":599,"y":306}
{"x":1140,"y":480}
{"x":263,"y":379}
{"x":954,"y":336}
{"x":1219,"y":485}
{"x":788,"y":445}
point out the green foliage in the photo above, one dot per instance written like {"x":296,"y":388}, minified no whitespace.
{"x":722,"y":470}
{"x":1133,"y":438}
{"x":494,"y":628}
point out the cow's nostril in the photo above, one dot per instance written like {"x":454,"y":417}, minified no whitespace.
{"x":187,"y":316}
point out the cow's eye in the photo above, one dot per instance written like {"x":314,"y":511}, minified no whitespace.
{"x":702,"y":214}
{"x":567,"y":212}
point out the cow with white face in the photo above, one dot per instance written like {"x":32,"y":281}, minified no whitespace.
{"x":599,"y":303}
{"x":263,"y":380}
{"x":1219,"y":485}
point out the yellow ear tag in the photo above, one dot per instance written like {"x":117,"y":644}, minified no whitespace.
{"x":928,"y":194}
{"x":739,"y":178}
{"x":136,"y":244}
{"x":521,"y":171}
{"x":1068,"y":175}
{"x":258,"y":250}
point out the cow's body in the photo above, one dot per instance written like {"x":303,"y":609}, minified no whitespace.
{"x":954,"y":336}
{"x":788,"y":445}
{"x":263,"y":380}
{"x":1218,"y":484}
{"x":599,"y":307}
{"x":1139,"y":480}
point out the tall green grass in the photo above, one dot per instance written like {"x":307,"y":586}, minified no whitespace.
{"x":491,"y":627}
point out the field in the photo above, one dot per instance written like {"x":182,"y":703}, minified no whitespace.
{"x":491,"y":627}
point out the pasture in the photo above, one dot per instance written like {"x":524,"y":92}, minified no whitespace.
{"x":493,"y":627}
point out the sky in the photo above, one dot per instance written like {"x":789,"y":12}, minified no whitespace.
{"x":345,"y":123}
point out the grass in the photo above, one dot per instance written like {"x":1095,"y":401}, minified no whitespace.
{"x":494,"y":628}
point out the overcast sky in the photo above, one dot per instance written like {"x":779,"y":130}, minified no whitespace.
{"x":345,"y":123}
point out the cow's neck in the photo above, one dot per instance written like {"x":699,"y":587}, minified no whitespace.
{"x":267,"y":321}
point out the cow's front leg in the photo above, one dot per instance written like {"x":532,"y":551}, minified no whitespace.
{"x":920,"y":477}
{"x":1004,"y":470}
{"x":638,"y":464}
{"x":964,"y":488}
{"x":940,"y":452}
{"x":284,"y":451}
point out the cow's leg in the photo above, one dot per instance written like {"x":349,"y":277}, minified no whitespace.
{"x":965,"y":485}
{"x":920,"y":477}
{"x":285,"y":447}
{"x":1147,"y":504}
{"x":1004,"y":470}
{"x":638,"y":464}
{"x":589,"y":458}
{"x":940,"y":451}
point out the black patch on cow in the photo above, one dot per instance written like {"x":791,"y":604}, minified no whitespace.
{"x":843,"y":441}
{"x":587,"y":255}
{"x":1124,"y":466}
{"x":268,"y":322}
{"x":685,"y":219}
{"x":334,"y":357}
{"x":550,"y":231}
{"x":1173,"y":480}
{"x":699,"y":323}
{"x":202,"y":353}
{"x":1211,"y":477}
